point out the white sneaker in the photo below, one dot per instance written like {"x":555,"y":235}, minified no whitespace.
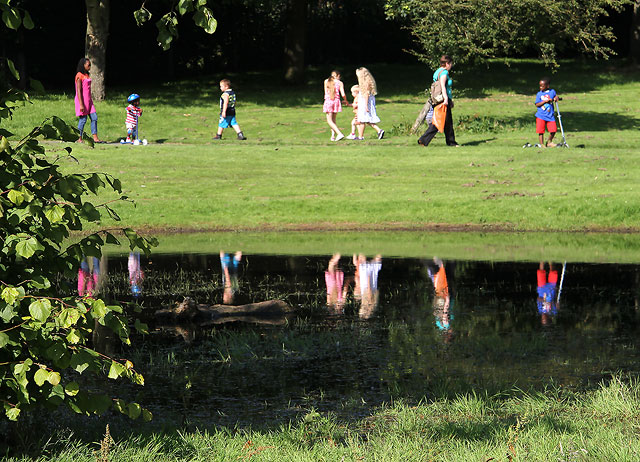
{"x":351,"y":136}
{"x":339,"y":137}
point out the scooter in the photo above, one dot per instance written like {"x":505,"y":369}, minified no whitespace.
{"x":564,"y":140}
{"x":558,"y":145}
{"x":134,"y":136}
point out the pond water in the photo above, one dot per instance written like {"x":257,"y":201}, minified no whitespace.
{"x":367,"y":330}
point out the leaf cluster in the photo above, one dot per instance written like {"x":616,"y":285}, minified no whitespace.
{"x":168,"y":24}
{"x":476,"y":30}
{"x":43,"y":338}
{"x":13,"y":17}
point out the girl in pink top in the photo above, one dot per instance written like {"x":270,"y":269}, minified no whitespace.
{"x":333,"y":90}
{"x":83,"y":100}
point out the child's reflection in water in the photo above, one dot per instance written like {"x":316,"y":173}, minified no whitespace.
{"x":136,"y":275}
{"x":230,"y":265}
{"x":336,"y":289}
{"x":89,"y":276}
{"x":366,"y":284}
{"x":546,"y":291}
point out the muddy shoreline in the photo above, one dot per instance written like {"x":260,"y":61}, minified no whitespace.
{"x":381,"y":227}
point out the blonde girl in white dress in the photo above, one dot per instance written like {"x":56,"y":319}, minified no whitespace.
{"x":367,"y":103}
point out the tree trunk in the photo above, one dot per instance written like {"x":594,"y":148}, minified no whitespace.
{"x":96,"y":44}
{"x":421,"y":117}
{"x":634,"y":48}
{"x":295,"y":41}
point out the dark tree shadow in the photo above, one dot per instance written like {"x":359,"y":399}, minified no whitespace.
{"x":479,"y":142}
{"x":598,"y":121}
{"x":522,"y":77}
{"x":396,"y":82}
{"x":483,"y":431}
{"x":571,"y":121}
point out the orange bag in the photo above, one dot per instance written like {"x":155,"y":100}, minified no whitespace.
{"x":439,"y":115}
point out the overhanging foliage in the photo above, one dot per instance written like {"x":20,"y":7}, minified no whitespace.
{"x":44,"y":339}
{"x":476,"y":30}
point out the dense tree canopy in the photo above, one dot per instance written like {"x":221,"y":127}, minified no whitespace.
{"x":250,"y":35}
{"x":474,"y":30}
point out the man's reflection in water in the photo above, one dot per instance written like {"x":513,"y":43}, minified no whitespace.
{"x":89,"y":276}
{"x":136,"y":275}
{"x":366,"y":284}
{"x":336,"y":288}
{"x":546,"y":300}
{"x":230,"y":265}
{"x":442,"y":296}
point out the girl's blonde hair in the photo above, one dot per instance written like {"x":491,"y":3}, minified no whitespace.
{"x":329,"y":87}
{"x":355,"y":88}
{"x":366,"y":82}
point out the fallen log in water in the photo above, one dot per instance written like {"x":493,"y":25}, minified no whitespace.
{"x":188,"y":310}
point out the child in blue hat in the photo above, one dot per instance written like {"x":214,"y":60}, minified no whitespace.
{"x":134,"y":111}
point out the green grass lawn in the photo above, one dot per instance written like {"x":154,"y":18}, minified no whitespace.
{"x":552,"y":425}
{"x":289,"y":175}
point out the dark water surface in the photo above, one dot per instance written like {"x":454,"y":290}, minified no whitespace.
{"x":369,"y":331}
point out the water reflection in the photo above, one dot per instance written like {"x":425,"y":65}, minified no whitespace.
{"x":336,"y":288}
{"x":407,"y":350}
{"x":442,"y":296}
{"x":366,"y":284}
{"x":364,"y":281}
{"x":547,"y":291}
{"x":230,"y":265}
{"x":90,"y":276}
{"x":136,"y":274}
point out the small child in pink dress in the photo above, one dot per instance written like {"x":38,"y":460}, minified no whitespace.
{"x":333,"y":90}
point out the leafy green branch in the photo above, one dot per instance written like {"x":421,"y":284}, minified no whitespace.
{"x":43,"y":337}
{"x":168,"y":24}
{"x":477,"y":30}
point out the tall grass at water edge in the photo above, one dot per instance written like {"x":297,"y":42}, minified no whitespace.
{"x":555,"y":424}
{"x":288,"y":175}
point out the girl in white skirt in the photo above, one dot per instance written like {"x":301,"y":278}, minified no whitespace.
{"x":367,"y":103}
